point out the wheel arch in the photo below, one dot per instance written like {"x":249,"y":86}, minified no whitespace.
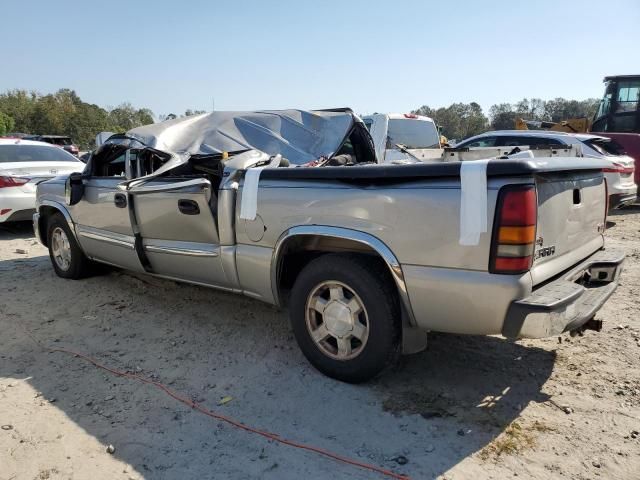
{"x":309,"y":241}
{"x":46,"y":209}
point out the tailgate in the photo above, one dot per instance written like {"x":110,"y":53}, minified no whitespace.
{"x":571,"y":220}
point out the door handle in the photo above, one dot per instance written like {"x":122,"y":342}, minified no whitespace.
{"x":188,"y":207}
{"x":120,"y":200}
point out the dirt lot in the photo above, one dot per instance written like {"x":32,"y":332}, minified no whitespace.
{"x":465,"y":408}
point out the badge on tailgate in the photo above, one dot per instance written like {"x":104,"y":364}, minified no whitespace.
{"x":543,"y":252}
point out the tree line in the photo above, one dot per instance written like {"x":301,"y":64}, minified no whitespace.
{"x":64,"y":113}
{"x":463,"y":120}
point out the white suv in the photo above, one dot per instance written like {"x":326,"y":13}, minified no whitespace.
{"x":24,"y":164}
{"x":622,"y":188}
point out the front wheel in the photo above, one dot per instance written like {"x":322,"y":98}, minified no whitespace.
{"x":345,"y":316}
{"x":66,"y":257}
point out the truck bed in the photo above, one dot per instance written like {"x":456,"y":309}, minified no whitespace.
{"x":433,"y":170}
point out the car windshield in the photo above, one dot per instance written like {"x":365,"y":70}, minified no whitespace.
{"x":34,"y":153}
{"x":413,"y":133}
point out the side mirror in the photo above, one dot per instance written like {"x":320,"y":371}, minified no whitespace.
{"x":73,"y":188}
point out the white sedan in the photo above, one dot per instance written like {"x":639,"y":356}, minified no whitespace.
{"x":24,"y":164}
{"x":621,"y":186}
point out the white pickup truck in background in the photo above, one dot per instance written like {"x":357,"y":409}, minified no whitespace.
{"x":400,"y":137}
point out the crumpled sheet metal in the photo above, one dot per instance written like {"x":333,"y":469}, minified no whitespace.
{"x":299,"y":136}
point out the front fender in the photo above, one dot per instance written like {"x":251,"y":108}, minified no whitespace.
{"x":44,"y":210}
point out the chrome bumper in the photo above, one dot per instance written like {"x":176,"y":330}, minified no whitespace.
{"x":568,"y":302}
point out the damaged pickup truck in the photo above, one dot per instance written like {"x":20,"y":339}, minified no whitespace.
{"x":290,"y":207}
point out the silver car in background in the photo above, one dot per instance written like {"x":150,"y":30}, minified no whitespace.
{"x":620,"y":183}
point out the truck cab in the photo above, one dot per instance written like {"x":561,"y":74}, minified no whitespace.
{"x":404,"y":137}
{"x":619,"y":109}
{"x":618,"y":116}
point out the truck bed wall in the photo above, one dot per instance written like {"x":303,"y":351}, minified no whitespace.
{"x":429,"y":210}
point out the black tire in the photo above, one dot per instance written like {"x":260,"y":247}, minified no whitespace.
{"x":79,"y":264}
{"x":371,"y":282}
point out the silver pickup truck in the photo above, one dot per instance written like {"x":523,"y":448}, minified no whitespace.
{"x":289,"y":207}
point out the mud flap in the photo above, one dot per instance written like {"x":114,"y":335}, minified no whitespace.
{"x":414,"y":340}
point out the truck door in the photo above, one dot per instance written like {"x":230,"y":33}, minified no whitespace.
{"x":177,"y":225}
{"x":102,"y":217}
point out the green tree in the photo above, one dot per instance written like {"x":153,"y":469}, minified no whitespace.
{"x":19,"y":105}
{"x":6,"y":123}
{"x":533,"y":109}
{"x":503,"y":116}
{"x":561,"y":109}
{"x":64,"y":113}
{"x":457,"y":121}
{"x":125,"y":117}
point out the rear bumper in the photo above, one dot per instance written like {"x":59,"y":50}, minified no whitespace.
{"x":568,"y":302}
{"x":16,"y":204}
{"x":20,"y":215}
{"x":617,"y":200}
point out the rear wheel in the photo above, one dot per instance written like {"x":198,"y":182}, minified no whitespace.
{"x":345,"y":316}
{"x":66,"y":257}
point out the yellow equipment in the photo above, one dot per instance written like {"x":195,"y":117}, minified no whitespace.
{"x":572,"y":125}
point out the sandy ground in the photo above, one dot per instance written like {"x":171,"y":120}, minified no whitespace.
{"x":467,"y":408}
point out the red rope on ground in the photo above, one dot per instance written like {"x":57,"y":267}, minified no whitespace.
{"x":230,"y":421}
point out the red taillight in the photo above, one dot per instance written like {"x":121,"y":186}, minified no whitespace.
{"x":618,"y":168}
{"x":410,"y":115}
{"x":12,"y":181}
{"x":519,"y":207}
{"x":512,"y":265}
{"x":514,"y":230}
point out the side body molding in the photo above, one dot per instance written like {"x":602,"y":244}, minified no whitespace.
{"x":344,"y":233}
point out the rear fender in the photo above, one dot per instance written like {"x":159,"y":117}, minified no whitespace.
{"x":414,"y":339}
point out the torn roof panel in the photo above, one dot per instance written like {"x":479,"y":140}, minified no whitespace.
{"x":299,"y":136}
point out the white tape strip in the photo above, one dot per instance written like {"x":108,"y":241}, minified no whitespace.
{"x":249,"y":206}
{"x":473,"y":201}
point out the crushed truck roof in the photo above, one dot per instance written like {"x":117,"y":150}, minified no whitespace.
{"x":299,"y":136}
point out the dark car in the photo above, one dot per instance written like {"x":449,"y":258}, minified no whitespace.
{"x":59,"y":140}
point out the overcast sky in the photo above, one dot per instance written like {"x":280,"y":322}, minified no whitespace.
{"x":370,"y":55}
